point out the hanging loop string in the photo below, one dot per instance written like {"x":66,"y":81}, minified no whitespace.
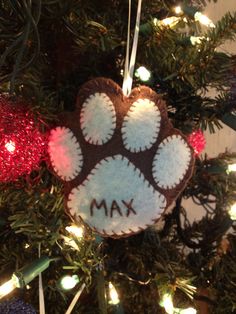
{"x":41,"y":294}
{"x":130,"y":63}
{"x":126,"y":70}
{"x":75,"y":299}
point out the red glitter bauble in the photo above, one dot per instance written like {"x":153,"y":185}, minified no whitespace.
{"x":22,"y":145}
{"x":197,"y":140}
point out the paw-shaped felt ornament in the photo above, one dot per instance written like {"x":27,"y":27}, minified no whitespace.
{"x":122,"y":161}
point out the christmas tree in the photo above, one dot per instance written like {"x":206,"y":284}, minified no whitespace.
{"x":49,"y":50}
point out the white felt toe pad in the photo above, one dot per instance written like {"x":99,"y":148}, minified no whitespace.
{"x":98,"y":119}
{"x":141,"y":125}
{"x":171,"y":162}
{"x":116,"y":199}
{"x":65,"y":153}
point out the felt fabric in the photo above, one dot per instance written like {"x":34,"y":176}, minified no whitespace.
{"x":169,"y":164}
{"x":118,"y":197}
{"x":130,"y":163}
{"x":141,"y":126}
{"x":65,"y":153}
{"x":98,"y":119}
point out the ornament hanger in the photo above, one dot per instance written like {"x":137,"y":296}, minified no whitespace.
{"x":130,"y":62}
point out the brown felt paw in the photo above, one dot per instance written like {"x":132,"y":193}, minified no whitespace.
{"x":122,"y":161}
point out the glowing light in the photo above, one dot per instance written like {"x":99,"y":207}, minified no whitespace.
{"x":231,"y":167}
{"x":171,"y":21}
{"x":71,"y":243}
{"x":155,"y":21}
{"x":22,"y":277}
{"x":75,"y":230}
{"x":178,"y":10}
{"x":232,"y":212}
{"x":203,"y":19}
{"x":113,"y":295}
{"x":143,"y":73}
{"x":189,"y":310}
{"x":196,"y":40}
{"x":10,"y":146}
{"x":167,"y":303}
{"x":69,"y":282}
{"x":27,"y":246}
{"x":6,"y":288}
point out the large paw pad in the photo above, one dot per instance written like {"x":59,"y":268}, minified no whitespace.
{"x":122,"y":161}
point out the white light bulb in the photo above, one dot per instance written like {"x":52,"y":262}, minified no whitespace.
{"x":6,"y":288}
{"x":178,"y":10}
{"x":69,"y":282}
{"x":71,"y":243}
{"x":231,"y":167}
{"x":167,"y":303}
{"x":171,"y":21}
{"x":143,"y":73}
{"x":10,"y":146}
{"x":113,"y":295}
{"x":155,"y":21}
{"x":232,"y":212}
{"x":75,"y":230}
{"x":196,"y":40}
{"x":189,"y":310}
{"x":203,"y":19}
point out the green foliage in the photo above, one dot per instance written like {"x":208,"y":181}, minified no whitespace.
{"x":223,"y":271}
{"x":211,"y":178}
{"x":97,"y":47}
{"x":48,"y":49}
{"x":34,"y":215}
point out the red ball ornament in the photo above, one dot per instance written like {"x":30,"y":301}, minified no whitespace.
{"x":197,"y":140}
{"x":22,"y":145}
